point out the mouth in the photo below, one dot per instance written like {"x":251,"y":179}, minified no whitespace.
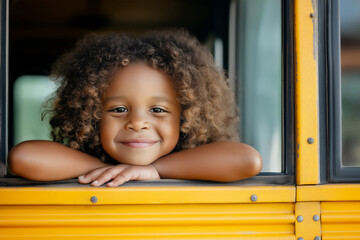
{"x":138,"y":143}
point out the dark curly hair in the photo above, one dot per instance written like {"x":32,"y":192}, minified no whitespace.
{"x":208,"y":110}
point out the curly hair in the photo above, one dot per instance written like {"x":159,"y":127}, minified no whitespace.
{"x":208,"y":109}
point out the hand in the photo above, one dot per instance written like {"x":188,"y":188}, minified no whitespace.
{"x":119,"y":174}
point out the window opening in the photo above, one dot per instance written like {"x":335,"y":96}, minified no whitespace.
{"x":350,"y":82}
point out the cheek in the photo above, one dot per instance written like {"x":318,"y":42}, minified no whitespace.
{"x":171,"y":132}
{"x":107,"y":133}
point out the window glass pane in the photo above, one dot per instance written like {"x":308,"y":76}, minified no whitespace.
{"x":30,"y":93}
{"x":259,"y":78}
{"x":350,"y":81}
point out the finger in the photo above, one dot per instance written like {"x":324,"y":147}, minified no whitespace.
{"x":125,"y":176}
{"x":108,"y":175}
{"x":91,"y":176}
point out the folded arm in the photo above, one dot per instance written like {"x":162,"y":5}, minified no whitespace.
{"x":50,"y":161}
{"x":220,"y":161}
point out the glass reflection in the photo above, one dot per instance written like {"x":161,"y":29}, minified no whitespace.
{"x":259,"y":78}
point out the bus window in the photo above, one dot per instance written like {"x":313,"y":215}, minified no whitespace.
{"x":258,"y":73}
{"x":245,"y":37}
{"x":350,"y":81}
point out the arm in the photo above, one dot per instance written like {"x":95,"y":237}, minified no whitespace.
{"x":221,"y":161}
{"x":49,"y":161}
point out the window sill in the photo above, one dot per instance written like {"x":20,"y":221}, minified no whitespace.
{"x":165,"y":191}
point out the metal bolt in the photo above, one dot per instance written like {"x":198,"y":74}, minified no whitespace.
{"x":93,"y":199}
{"x":253,"y":198}
{"x":300,"y":238}
{"x":310,"y":140}
{"x":317,"y":238}
{"x":312,"y":15}
{"x":300,"y":218}
{"x":316,"y":218}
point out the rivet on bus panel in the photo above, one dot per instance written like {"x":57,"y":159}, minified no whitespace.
{"x":310,"y":140}
{"x":300,"y":218}
{"x":300,"y":238}
{"x":317,"y":238}
{"x":312,"y":15}
{"x":253,"y":198}
{"x":316,"y":218}
{"x":93,"y":199}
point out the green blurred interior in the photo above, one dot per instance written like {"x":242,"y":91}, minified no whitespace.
{"x":30,"y":92}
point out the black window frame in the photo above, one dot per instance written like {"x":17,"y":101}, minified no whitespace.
{"x":288,"y":91}
{"x":3,"y":86}
{"x":332,"y":81}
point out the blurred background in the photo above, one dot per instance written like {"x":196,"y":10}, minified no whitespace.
{"x":350,"y":81}
{"x":245,"y":37}
{"x":41,"y":30}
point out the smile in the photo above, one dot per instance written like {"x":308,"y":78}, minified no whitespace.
{"x":138,"y":143}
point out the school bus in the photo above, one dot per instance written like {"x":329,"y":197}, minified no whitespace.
{"x":295,"y":68}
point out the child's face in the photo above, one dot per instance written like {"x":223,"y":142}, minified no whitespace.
{"x":141,"y":116}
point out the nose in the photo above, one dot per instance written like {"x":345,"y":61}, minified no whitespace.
{"x":137,"y":122}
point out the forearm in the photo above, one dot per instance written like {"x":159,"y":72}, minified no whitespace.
{"x":222,"y":161}
{"x":50,"y":161}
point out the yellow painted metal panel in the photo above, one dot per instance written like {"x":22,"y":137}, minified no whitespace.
{"x":305,"y":226}
{"x":159,"y":221}
{"x":328,"y":192}
{"x":145,"y":195}
{"x":306,"y":93}
{"x":340,"y":220}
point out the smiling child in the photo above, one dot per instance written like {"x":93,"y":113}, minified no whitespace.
{"x":139,"y":109}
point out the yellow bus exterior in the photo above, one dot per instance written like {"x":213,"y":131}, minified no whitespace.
{"x":304,"y":211}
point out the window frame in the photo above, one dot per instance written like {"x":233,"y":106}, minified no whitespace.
{"x":288,"y":90}
{"x":286,"y":177}
{"x":3,"y":85}
{"x":337,"y":172}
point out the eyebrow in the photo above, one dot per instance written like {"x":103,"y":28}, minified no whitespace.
{"x":113,"y":98}
{"x":162,"y":99}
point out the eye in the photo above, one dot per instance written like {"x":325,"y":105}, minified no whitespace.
{"x":157,"y":110}
{"x":121,"y":109}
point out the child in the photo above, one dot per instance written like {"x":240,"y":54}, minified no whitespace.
{"x":139,"y":109}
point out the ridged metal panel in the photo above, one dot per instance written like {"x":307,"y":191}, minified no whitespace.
{"x":156,"y":221}
{"x":340,"y":220}
{"x":305,"y":226}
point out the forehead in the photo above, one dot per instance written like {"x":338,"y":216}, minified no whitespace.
{"x":139,"y":79}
